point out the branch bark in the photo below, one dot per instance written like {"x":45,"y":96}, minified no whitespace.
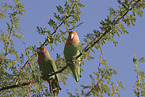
{"x":19,"y":85}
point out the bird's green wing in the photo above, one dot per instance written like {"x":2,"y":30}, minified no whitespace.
{"x":54,"y":81}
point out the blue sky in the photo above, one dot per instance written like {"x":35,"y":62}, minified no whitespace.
{"x":119,"y":58}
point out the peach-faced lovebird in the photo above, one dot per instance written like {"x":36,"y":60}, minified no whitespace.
{"x":47,"y":66}
{"x":71,"y":50}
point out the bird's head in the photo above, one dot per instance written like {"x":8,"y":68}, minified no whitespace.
{"x":72,"y":38}
{"x":41,"y":50}
{"x":72,"y":34}
{"x":42,"y":53}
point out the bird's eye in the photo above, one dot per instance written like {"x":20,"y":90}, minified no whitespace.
{"x":42,"y":49}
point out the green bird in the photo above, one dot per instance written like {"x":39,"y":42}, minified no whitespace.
{"x":47,"y":66}
{"x":71,"y":50}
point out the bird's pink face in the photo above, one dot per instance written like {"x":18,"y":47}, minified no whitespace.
{"x":72,"y":38}
{"x":41,"y":50}
{"x":72,"y":34}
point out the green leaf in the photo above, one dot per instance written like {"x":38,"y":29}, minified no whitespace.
{"x":81,"y":5}
{"x":121,"y":85}
{"x":92,"y":78}
{"x":142,"y":60}
{"x":143,"y":90}
{"x":60,"y":9}
{"x":123,"y":28}
{"x":2,"y":15}
{"x":140,"y":13}
{"x":106,"y":88}
{"x":63,"y":79}
{"x":51,"y":23}
{"x":136,"y":93}
{"x":104,"y":62}
{"x":134,"y":59}
{"x":85,"y":87}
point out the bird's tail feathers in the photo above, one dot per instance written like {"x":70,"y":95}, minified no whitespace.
{"x":76,"y":70}
{"x":54,"y":86}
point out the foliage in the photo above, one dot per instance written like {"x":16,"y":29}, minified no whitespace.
{"x":102,"y":83}
{"x":20,"y":77}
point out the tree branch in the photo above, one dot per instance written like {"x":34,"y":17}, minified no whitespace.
{"x":115,"y":21}
{"x":57,"y":28}
{"x":138,"y":80}
{"x":9,"y":38}
{"x":19,"y":85}
{"x":59,"y":71}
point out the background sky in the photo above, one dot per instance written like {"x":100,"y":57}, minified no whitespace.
{"x":38,"y":13}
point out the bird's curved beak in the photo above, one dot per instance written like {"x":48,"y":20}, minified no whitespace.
{"x":72,"y":36}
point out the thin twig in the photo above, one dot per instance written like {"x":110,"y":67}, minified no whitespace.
{"x":59,"y":71}
{"x":138,"y":80}
{"x":76,"y":26}
{"x":17,"y":78}
{"x":99,"y":67}
{"x":97,"y":85}
{"x":114,"y":91}
{"x":8,"y":42}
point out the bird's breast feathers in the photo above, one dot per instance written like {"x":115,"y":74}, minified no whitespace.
{"x":71,"y":51}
